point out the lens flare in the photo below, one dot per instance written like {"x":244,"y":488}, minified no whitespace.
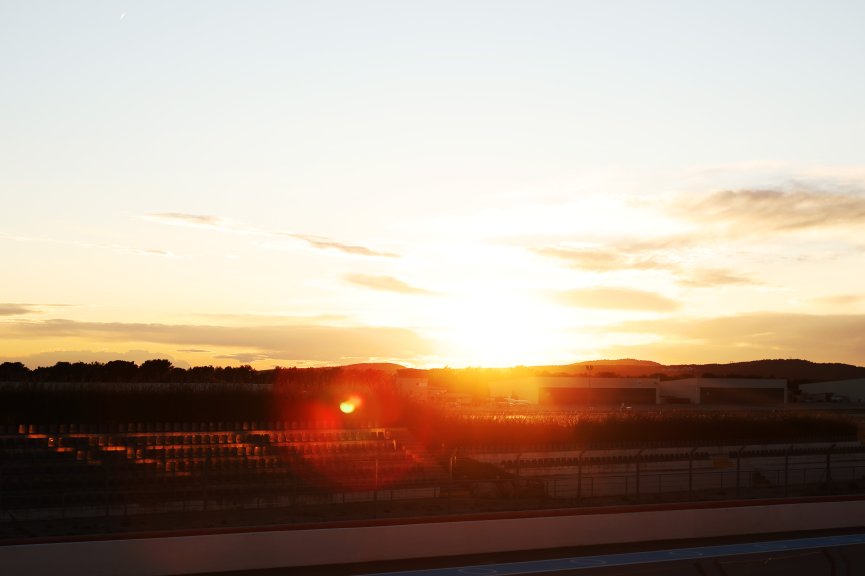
{"x":351,"y":404}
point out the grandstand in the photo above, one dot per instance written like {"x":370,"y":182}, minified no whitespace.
{"x":92,"y":470}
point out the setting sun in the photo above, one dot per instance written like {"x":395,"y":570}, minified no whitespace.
{"x":500,"y":330}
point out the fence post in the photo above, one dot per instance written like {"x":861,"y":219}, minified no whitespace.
{"x":691,"y":474}
{"x":580,"y":476}
{"x":829,"y":468}
{"x":105,"y":478}
{"x":738,"y":474}
{"x":451,"y":464}
{"x":639,"y":459}
{"x":375,"y":492}
{"x":206,"y":479}
{"x":787,"y":470}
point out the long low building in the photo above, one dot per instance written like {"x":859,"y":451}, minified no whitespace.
{"x":588,"y":391}
{"x":724,"y":391}
{"x":577,"y":390}
{"x":836,"y":391}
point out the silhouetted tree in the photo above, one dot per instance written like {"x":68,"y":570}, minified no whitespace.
{"x":201,"y":374}
{"x":119,"y":371}
{"x":14,"y":372}
{"x":60,"y":372}
{"x":176,"y":375}
{"x":154,"y":370}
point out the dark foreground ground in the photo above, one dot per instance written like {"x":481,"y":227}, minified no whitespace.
{"x":831,"y":553}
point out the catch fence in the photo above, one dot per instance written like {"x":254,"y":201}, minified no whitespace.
{"x":285,"y":474}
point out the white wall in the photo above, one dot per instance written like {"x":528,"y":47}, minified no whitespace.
{"x":690,"y":387}
{"x":278,"y":548}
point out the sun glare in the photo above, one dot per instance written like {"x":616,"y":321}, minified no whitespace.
{"x":504,"y":330}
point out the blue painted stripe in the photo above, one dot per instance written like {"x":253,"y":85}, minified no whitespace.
{"x":558,"y":564}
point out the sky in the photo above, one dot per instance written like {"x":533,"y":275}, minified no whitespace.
{"x":433,"y":183}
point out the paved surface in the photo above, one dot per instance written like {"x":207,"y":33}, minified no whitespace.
{"x":834,"y":553}
{"x":779,"y":551}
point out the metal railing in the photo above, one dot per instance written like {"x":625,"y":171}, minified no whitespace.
{"x":40,"y":484}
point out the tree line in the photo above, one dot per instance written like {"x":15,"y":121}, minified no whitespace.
{"x":122,"y":391}
{"x":157,"y":370}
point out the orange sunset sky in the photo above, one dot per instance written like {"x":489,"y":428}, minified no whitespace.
{"x":432,"y":183}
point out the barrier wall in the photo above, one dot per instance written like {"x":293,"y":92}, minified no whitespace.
{"x":247,"y":550}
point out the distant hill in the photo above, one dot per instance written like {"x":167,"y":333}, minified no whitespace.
{"x":623,"y":362}
{"x":388,"y":367}
{"x":627,"y":367}
{"x":793,"y":370}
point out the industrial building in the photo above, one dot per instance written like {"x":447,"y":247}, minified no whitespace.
{"x":835,"y":391}
{"x":413,"y":383}
{"x":724,"y":391}
{"x":577,"y":390}
{"x":588,"y":391}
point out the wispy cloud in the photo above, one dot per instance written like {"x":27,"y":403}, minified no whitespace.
{"x":603,"y":259}
{"x":274,"y":319}
{"x":617,"y":299}
{"x":12,"y":309}
{"x":329,"y":244}
{"x":21,"y":308}
{"x":186,"y":219}
{"x":776,"y":209}
{"x":150,"y":252}
{"x":719,"y":223}
{"x":657,"y":256}
{"x":711,"y":277}
{"x":85,"y":244}
{"x":225,"y":225}
{"x":385,"y":283}
{"x":288,"y":342}
{"x":841,"y":299}
{"x":244,"y":357}
{"x":748,"y":337}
